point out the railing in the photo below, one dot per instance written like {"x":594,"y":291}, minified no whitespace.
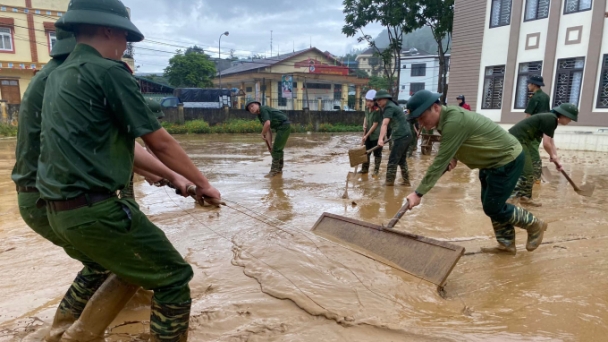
{"x":312,"y":105}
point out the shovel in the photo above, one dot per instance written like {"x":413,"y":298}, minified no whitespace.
{"x":586,"y":189}
{"x":268,"y":140}
{"x":422,"y":257}
{"x":358,"y":156}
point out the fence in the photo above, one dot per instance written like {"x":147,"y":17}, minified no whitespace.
{"x":298,"y":117}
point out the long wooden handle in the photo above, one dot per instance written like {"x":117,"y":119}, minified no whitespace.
{"x":399,"y":215}
{"x":569,"y":179}
{"x":192,"y":192}
{"x":268,"y":140}
{"x":377,"y":147}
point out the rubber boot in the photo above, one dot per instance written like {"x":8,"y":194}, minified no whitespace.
{"x":535,"y":227}
{"x":275,"y":169}
{"x":391,"y":175}
{"x":101,"y":310}
{"x":405,"y":175}
{"x":505,"y":235}
{"x":281,"y":164}
{"x":74,"y":302}
{"x":377,"y":162}
{"x":500,"y":249}
{"x":364,"y":168}
{"x":525,"y":201}
{"x":169,"y":322}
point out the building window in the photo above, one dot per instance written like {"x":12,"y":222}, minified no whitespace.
{"x":59,"y":14}
{"x":52,"y":40}
{"x":249,"y":89}
{"x":26,"y":10}
{"x":15,"y":10}
{"x":569,"y":78}
{"x":282,"y":100}
{"x":402,"y":87}
{"x":522,"y":95}
{"x":49,"y":12}
{"x":414,"y":87}
{"x":537,"y":9}
{"x":573,"y":6}
{"x":418,"y":70}
{"x":602,"y":94}
{"x":37,"y":11}
{"x":6,"y":39}
{"x":10,"y":91}
{"x":492,"y":87}
{"x":318,"y":86}
{"x":501,"y":13}
{"x":3,"y":8}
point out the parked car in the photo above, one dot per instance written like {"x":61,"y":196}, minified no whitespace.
{"x":198,"y":98}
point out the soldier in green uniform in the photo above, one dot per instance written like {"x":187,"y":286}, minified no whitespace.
{"x":371,"y":132}
{"x":272,"y":119}
{"x":539,"y":103}
{"x":93,"y":111}
{"x":401,"y":135}
{"x":480,"y":144}
{"x":529,"y":132}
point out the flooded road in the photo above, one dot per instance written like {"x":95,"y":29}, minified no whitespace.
{"x":261,"y":275}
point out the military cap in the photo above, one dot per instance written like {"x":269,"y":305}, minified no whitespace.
{"x":251,"y":102}
{"x":536,"y":79}
{"x":155,"y":108}
{"x":383,"y":94}
{"x":64,"y":45}
{"x":420,"y":102}
{"x":568,"y":110}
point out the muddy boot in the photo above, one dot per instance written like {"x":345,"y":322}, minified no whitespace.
{"x":500,"y":249}
{"x":364,"y":168}
{"x":74,"y":302}
{"x":391,"y":175}
{"x":536,"y":233}
{"x":281,"y":164}
{"x":275,"y":169}
{"x":405,"y":175}
{"x":100,"y":311}
{"x":169,"y":322}
{"x":525,"y":201}
{"x":535,"y":227}
{"x":377,"y":162}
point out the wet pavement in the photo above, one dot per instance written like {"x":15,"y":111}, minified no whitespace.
{"x":261,"y":275}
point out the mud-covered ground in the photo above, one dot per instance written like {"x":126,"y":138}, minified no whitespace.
{"x":261,"y":275}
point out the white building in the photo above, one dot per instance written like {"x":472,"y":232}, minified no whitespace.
{"x":498,"y":44}
{"x":419,"y":70}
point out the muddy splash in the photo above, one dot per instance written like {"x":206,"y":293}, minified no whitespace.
{"x":260,"y":275}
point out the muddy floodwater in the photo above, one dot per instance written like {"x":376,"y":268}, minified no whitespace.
{"x":261,"y":275}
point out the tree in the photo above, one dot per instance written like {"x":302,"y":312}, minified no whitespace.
{"x":192,"y":69}
{"x":439,"y":16}
{"x":376,"y":82}
{"x":392,"y":15}
{"x":194,"y":49}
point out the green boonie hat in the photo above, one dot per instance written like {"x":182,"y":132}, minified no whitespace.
{"x":155,"y":108}
{"x":568,"y":110}
{"x":383,"y":94}
{"x":420,"y":102}
{"x":537,"y":79}
{"x":111,"y":13}
{"x":64,"y":45}
{"x":250,"y":102}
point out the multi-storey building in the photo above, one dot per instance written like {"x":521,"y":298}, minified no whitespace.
{"x":498,"y":44}
{"x":419,"y":70}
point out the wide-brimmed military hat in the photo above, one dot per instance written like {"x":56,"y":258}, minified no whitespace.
{"x":250,"y":102}
{"x":64,"y":45}
{"x":420,"y":102}
{"x":383,"y":94}
{"x":568,"y":110}
{"x":536,"y":79}
{"x":155,"y":108}
{"x":111,"y":13}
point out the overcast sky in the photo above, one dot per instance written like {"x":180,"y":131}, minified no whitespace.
{"x":173,"y":24}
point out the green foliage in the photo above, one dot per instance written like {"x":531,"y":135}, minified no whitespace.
{"x":8,"y":130}
{"x":376,"y":82}
{"x":192,"y":69}
{"x":240,"y":126}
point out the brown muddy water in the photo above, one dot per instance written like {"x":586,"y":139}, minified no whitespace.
{"x":260,"y":275}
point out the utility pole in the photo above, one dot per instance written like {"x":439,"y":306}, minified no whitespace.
{"x":270,"y":43}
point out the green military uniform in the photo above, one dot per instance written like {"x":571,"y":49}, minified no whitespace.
{"x":373,"y":117}
{"x":280,"y":123}
{"x":538,"y":103}
{"x":401,"y":136}
{"x":24,"y":175}
{"x":479,"y":143}
{"x":93,"y":111}
{"x":414,"y":144}
{"x":529,"y":132}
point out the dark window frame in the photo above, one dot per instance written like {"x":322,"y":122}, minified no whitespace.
{"x":418,"y":70}
{"x":536,"y":17}
{"x":500,"y":9}
{"x":419,"y":85}
{"x":579,"y":7}
{"x":493,"y":78}
{"x":526,"y":74}
{"x":603,"y":76}
{"x":558,"y":72}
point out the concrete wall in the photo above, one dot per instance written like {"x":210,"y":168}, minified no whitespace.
{"x":298,"y":117}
